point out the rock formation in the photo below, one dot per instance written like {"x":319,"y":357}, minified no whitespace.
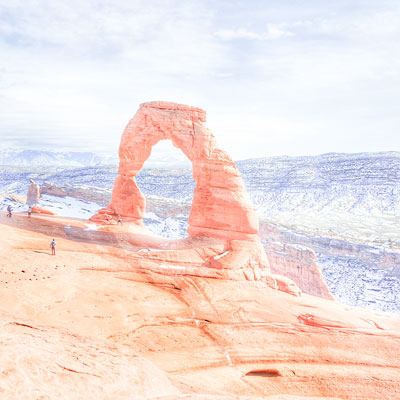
{"x":42,"y":210}
{"x":299,"y":264}
{"x":221,"y":206}
{"x":112,"y":318}
{"x":94,"y":194}
{"x":121,"y":313}
{"x":33,"y":196}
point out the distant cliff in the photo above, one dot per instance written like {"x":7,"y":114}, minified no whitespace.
{"x":353,"y":196}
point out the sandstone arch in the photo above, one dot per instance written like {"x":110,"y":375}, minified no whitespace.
{"x":221,"y":206}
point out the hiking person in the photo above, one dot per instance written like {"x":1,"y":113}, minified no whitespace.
{"x":53,"y":247}
{"x":29,"y":211}
{"x":119,"y":222}
{"x":9,"y":209}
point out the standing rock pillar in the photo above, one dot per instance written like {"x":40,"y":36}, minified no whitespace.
{"x":33,"y":195}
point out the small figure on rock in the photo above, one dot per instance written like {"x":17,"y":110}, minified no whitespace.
{"x":29,"y":211}
{"x":107,"y":217}
{"x":9,"y":209}
{"x":119,"y":222}
{"x":53,"y":247}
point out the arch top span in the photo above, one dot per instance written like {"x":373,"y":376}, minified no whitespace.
{"x":221,"y":206}
{"x":167,"y":105}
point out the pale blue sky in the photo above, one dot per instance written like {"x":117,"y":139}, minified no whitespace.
{"x":275,"y":77}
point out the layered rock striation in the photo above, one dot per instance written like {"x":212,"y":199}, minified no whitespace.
{"x":298,"y":263}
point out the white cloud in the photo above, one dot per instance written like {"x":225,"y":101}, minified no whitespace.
{"x":272,"y":32}
{"x":75,"y":72}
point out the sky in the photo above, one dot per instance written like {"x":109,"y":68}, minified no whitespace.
{"x":276,"y":77}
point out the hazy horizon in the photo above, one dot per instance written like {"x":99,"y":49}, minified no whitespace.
{"x":165,"y":150}
{"x":276,"y":78}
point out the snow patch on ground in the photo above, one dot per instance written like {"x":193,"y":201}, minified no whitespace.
{"x":171,"y":266}
{"x":147,"y":249}
{"x":63,"y":206}
{"x":355,"y":283}
{"x":221,"y":255}
{"x":91,"y":227}
{"x":69,"y":206}
{"x":171,"y":228}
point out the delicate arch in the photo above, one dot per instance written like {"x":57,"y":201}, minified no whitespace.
{"x":221,"y":206}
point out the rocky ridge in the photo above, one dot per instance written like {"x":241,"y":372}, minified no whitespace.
{"x":352,"y":196}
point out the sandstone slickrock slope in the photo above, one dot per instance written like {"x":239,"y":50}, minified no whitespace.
{"x":46,"y":363}
{"x":111,"y":314}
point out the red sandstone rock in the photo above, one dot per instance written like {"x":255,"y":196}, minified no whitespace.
{"x":221,"y":206}
{"x":299,"y":264}
{"x":73,"y":325}
{"x":33,"y":196}
{"x":285,"y":284}
{"x":41,"y":210}
{"x":45,"y":363}
{"x":17,"y":198}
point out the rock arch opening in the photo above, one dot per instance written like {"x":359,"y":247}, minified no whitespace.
{"x":166,"y":181}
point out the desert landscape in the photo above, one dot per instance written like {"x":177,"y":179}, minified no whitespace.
{"x":240,"y":240}
{"x":123,"y":313}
